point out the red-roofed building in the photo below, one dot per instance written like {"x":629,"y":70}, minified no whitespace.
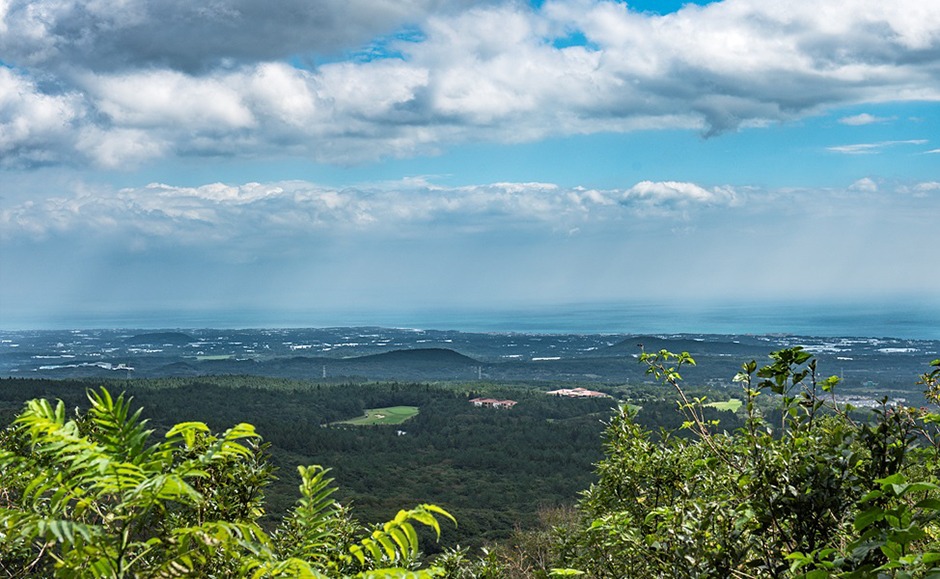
{"x":493,"y":403}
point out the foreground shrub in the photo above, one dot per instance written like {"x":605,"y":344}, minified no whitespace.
{"x":93,"y":495}
{"x":818,"y":492}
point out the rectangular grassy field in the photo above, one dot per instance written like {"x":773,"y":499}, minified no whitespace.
{"x":390,"y":415}
{"x":733,"y":405}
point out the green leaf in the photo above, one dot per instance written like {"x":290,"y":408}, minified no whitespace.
{"x":919,"y":487}
{"x":891,"y":550}
{"x":382,"y":538}
{"x":401,"y":540}
{"x":426,"y":519}
{"x":357,"y":552}
{"x":373,"y":548}
{"x":187,"y":430}
{"x":411,"y":534}
{"x":829,"y":383}
{"x":867,"y":517}
{"x":440,"y":511}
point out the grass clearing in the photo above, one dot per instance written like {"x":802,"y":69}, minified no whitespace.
{"x":733,"y":405}
{"x":389,"y":415}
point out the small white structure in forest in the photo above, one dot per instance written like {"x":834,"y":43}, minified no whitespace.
{"x":577,"y":393}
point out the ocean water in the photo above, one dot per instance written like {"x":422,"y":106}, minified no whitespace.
{"x":909,"y":319}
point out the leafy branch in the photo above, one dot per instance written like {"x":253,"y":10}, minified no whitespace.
{"x":91,"y":496}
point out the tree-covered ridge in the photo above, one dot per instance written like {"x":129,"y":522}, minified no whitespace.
{"x":92,"y":496}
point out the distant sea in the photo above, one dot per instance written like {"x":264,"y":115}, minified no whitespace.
{"x":909,"y":319}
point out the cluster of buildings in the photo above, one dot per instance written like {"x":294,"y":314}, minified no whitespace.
{"x":577,"y":393}
{"x":566,"y":392}
{"x":492,"y":403}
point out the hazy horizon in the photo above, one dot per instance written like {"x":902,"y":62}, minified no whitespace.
{"x":909,"y":319}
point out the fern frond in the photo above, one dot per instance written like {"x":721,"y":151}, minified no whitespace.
{"x":61,"y":466}
{"x":40,"y":417}
{"x":124,"y":434}
{"x":245,"y":544}
{"x":311,"y":526}
{"x":315,"y":491}
{"x":397,"y":540}
{"x":163,"y":487}
{"x":196,"y":438}
{"x":16,"y":525}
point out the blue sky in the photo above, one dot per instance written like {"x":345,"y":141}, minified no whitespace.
{"x":364,"y":155}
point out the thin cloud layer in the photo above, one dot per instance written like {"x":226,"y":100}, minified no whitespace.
{"x":864,"y":119}
{"x":94,"y":83}
{"x":871,"y":148}
{"x":267,"y":214}
{"x":216,"y":212}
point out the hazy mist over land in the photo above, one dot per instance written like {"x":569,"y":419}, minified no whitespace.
{"x":397,"y":159}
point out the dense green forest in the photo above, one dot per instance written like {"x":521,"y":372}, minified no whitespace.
{"x":493,"y":469}
{"x":794,"y":484}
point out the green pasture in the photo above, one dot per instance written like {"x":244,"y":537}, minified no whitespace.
{"x":733,"y":405}
{"x":389,"y":415}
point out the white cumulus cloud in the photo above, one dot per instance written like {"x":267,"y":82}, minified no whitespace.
{"x":670,"y":193}
{"x":865,"y":185}
{"x":36,"y":127}
{"x":245,"y":77}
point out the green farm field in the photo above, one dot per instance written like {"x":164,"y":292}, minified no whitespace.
{"x":732,"y":405}
{"x":389,"y":415}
